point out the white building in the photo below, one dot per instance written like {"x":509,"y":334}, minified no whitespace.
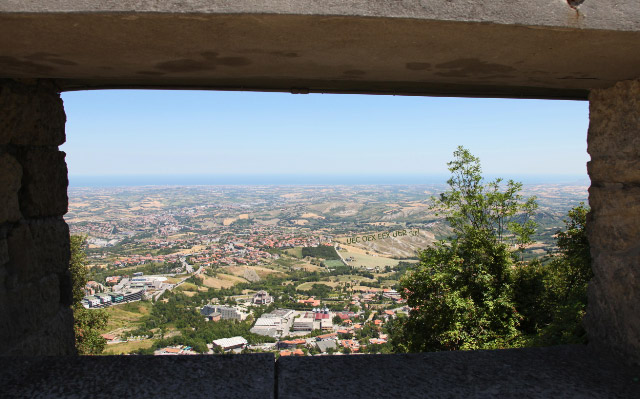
{"x":230,"y":343}
{"x":274,"y":324}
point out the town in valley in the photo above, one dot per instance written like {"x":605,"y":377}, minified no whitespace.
{"x":294,"y":270}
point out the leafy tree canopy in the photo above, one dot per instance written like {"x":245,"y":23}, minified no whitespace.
{"x":88,"y":323}
{"x":460,"y":292}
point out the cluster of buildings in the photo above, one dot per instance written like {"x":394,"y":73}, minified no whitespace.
{"x":274,"y":324}
{"x":101,"y":300}
{"x":125,"y":290}
{"x":262,"y":298}
{"x":217,"y":313}
{"x":240,"y":249}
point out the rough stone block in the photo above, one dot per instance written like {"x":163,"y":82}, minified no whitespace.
{"x":38,"y":247}
{"x":608,"y":170}
{"x":555,"y":372}
{"x":23,"y":261}
{"x":10,"y":180}
{"x":44,"y":183}
{"x":55,"y":338}
{"x":613,"y":310}
{"x":614,"y":223}
{"x":26,"y":310}
{"x":614,"y":122}
{"x":51,"y":244}
{"x":157,"y":377}
{"x":4,"y":251}
{"x":32,"y":113}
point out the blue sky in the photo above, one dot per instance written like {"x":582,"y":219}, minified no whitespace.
{"x":126,"y":132}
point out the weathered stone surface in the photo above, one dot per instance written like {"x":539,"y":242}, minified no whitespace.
{"x":614,"y":124}
{"x":44,"y":183}
{"x":32,"y":113}
{"x":51,"y":244}
{"x":616,"y":213}
{"x":38,"y":247}
{"x":23,"y":261}
{"x":4,"y":251}
{"x":10,"y":179}
{"x":512,"y":48}
{"x":34,"y":253}
{"x":27,"y":310}
{"x":154,"y":377}
{"x":554,"y":372}
{"x":614,"y":170}
{"x":613,"y":312}
{"x":54,"y":338}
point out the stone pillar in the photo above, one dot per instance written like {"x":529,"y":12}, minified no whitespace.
{"x":613,"y":312}
{"x":35,"y":284}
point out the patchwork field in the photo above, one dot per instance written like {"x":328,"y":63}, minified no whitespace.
{"x":307,"y":286}
{"x":126,"y":315}
{"x":261,"y":271}
{"x":223,"y":281}
{"x":128,"y":347}
{"x":361,"y":259}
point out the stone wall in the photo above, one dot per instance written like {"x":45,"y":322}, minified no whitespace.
{"x":35,"y":284}
{"x":613,"y":313}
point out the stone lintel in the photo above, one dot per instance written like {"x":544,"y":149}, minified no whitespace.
{"x":491,"y":48}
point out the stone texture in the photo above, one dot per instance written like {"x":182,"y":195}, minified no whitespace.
{"x":29,"y":310}
{"x":10,"y":179}
{"x":51,"y":244}
{"x":618,"y":216}
{"x":32,"y":114}
{"x":4,"y":251}
{"x":613,"y":227}
{"x":44,"y":183}
{"x":23,"y":262}
{"x":154,"y":377}
{"x":37,"y":247}
{"x":54,"y":338}
{"x":614,"y":122}
{"x":482,"y":48}
{"x":35,"y":289}
{"x":554,"y":372}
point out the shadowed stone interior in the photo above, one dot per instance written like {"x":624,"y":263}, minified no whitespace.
{"x":156,"y":377}
{"x":35,"y":284}
{"x":555,"y":372}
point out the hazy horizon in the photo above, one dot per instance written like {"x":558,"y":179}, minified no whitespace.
{"x":285,"y":179}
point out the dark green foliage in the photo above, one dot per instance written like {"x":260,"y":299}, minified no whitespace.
{"x":319,"y":291}
{"x":88,"y":323}
{"x":530,"y":295}
{"x":322,"y":251}
{"x":460,"y":297}
{"x":552,"y":298}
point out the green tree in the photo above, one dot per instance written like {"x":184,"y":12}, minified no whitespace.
{"x":88,"y":323}
{"x":553,"y":298}
{"x":496,"y":208}
{"x":460,"y":292}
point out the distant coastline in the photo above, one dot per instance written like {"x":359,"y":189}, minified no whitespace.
{"x":242,"y":180}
